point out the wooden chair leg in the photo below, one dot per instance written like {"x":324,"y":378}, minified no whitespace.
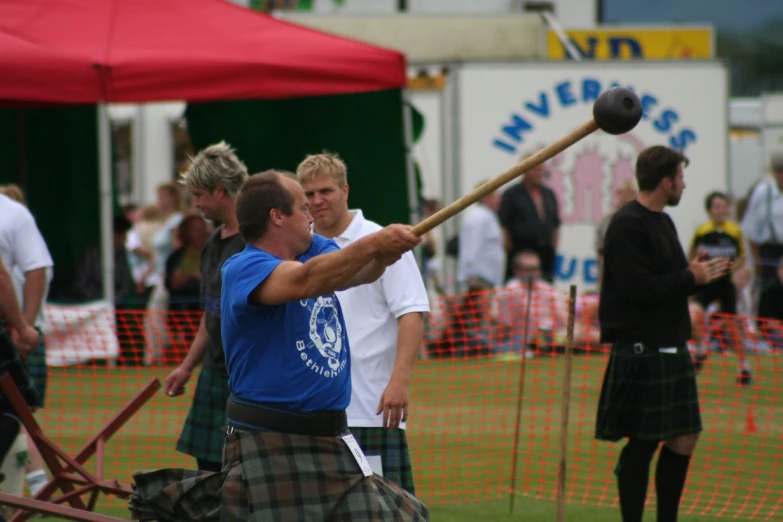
{"x":54,"y":509}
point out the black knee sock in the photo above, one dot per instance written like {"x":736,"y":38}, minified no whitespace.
{"x":633,"y":475}
{"x":669,"y":483}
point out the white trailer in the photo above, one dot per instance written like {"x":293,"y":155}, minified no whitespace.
{"x":505,"y":110}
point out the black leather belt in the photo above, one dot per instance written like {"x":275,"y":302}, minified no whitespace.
{"x":247,"y":415}
{"x":638,"y":348}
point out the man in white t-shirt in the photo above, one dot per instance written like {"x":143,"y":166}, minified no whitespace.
{"x":24,"y":251}
{"x":27,"y":258}
{"x":385,"y":322}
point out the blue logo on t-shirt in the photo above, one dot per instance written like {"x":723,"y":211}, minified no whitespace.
{"x":325,"y":337}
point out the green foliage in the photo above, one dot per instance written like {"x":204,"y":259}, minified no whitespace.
{"x":755,"y":58}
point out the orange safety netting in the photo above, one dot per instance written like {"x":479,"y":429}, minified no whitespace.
{"x":477,"y":387}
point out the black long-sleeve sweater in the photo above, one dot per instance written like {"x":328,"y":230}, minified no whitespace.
{"x":646,"y":281}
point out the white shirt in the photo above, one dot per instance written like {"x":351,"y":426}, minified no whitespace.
{"x":371,"y":313}
{"x":22,"y":247}
{"x":763,"y":220}
{"x":481,"y":252}
{"x":164,"y":244}
{"x":138,"y":264}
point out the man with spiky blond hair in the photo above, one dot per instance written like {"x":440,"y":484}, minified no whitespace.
{"x":214,"y":179}
{"x":384,"y":319}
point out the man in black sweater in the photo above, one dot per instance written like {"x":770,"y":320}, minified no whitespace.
{"x":649,"y":391}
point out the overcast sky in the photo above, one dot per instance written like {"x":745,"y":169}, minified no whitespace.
{"x":739,"y":15}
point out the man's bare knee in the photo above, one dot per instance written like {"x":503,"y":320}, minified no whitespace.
{"x":684,"y":444}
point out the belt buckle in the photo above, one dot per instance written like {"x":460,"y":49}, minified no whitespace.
{"x":638,"y":348}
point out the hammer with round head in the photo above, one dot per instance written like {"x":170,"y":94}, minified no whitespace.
{"x":616,"y":111}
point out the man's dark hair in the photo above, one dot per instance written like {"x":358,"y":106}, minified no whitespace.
{"x":259,"y":195}
{"x":712,"y":197}
{"x":656,"y":163}
{"x":121,"y":224}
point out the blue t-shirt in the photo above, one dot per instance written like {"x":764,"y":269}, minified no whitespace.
{"x":294,"y":355}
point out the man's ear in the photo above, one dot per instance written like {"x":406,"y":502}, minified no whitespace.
{"x":276,"y":216}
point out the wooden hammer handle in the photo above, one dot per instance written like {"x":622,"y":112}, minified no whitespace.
{"x":498,"y":181}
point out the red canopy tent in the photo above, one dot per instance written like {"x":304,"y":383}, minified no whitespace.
{"x":136,"y":51}
{"x":88,"y":51}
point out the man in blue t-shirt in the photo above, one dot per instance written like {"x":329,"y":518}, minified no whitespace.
{"x":287,"y":355}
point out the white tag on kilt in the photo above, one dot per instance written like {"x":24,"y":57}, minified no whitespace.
{"x":358,"y":454}
{"x":376,"y":464}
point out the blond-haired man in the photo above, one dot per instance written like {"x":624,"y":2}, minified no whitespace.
{"x":385,"y":322}
{"x":214,"y":179}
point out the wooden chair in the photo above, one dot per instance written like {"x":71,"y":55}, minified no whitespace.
{"x":68,"y":473}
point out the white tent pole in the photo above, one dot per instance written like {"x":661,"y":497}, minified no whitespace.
{"x":106,"y":203}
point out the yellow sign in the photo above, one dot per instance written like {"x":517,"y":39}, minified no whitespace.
{"x":675,"y":43}
{"x":426,"y":83}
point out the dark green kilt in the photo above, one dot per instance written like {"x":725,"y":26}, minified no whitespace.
{"x":36,"y":366}
{"x":392,"y":447}
{"x":271,"y":476}
{"x":649,"y":395}
{"x":203,"y":435}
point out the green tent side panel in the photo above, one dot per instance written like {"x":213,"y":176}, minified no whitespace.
{"x":51,"y":153}
{"x":366,"y":130}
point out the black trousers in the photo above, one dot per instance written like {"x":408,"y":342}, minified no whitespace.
{"x":770,"y":255}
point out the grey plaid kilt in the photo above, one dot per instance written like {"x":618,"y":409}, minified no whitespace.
{"x":392,"y":447}
{"x":203,"y":434}
{"x":275,"y":477}
{"x":11,"y":362}
{"x":649,"y":396}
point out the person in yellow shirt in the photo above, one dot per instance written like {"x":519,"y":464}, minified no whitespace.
{"x":720,"y":237}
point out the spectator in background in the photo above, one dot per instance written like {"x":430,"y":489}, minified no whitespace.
{"x":763,"y":222}
{"x":170,"y":203}
{"x":481,"y":261}
{"x":183,"y":267}
{"x":625,"y":192}
{"x":721,"y":237}
{"x":141,"y":249}
{"x":480,"y":268}
{"x":530,"y":216}
{"x":509,"y":308}
{"x":183,"y":279}
{"x":31,"y":267}
{"x":132,"y":212}
{"x":771,"y":309}
{"x":88,"y":285}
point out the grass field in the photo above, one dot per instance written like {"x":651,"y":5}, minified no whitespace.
{"x":463,"y":420}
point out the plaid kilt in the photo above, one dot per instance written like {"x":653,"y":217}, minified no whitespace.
{"x":176,"y":494}
{"x":36,"y":367}
{"x":392,"y":447}
{"x":11,"y":362}
{"x":275,"y":477}
{"x":203,"y":435}
{"x":649,"y":396}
